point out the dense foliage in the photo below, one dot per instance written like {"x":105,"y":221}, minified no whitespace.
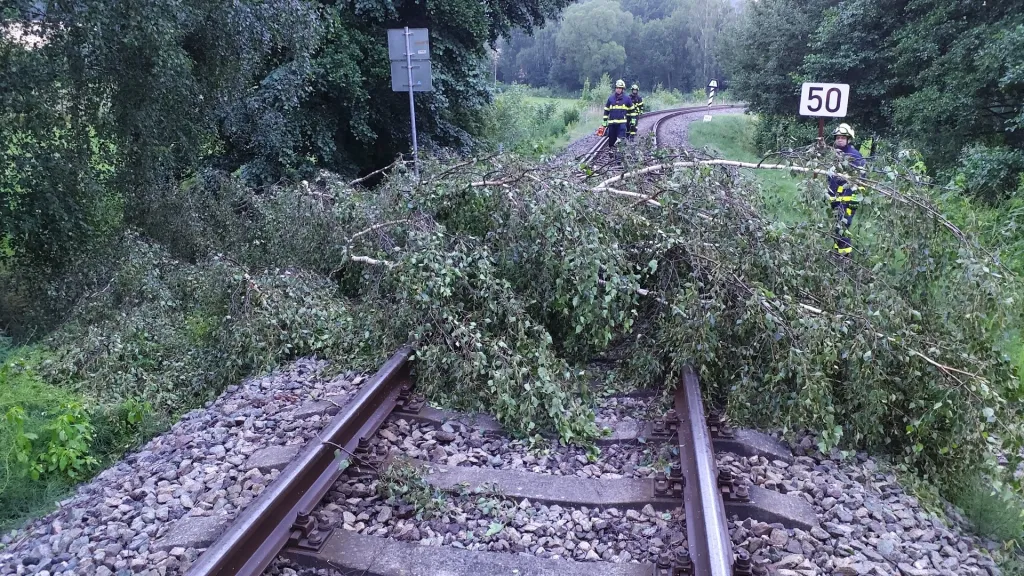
{"x":670,"y":43}
{"x":158,"y":241}
{"x":944,"y":75}
{"x":121,"y":100}
{"x":509,"y":278}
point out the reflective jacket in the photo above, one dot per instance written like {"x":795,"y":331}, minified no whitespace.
{"x":638,"y":103}
{"x":839,"y":189}
{"x":617,"y":109}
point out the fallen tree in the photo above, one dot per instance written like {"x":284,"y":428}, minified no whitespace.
{"x":509,"y":278}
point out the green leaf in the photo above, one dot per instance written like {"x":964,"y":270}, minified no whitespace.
{"x":989,"y":413}
{"x":494,"y":528}
{"x":343,"y":463}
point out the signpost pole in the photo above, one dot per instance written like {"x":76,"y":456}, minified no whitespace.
{"x":821,"y":130}
{"x":412,"y":106}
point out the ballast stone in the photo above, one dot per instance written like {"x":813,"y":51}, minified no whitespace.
{"x":192,"y":532}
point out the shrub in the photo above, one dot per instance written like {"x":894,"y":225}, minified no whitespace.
{"x":990,"y":174}
{"x":45,"y":436}
{"x":570,"y":116}
{"x":782,"y":133}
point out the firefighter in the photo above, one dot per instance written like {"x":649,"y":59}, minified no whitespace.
{"x":617,"y":112}
{"x":638,"y":109}
{"x":843,"y":195}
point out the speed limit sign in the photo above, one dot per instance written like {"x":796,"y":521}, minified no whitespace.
{"x":828,"y":100}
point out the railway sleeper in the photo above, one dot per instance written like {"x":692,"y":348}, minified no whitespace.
{"x":739,"y":441}
{"x":758,"y":504}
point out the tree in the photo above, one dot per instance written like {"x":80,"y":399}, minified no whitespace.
{"x":703,"y":21}
{"x":647,"y":10}
{"x":590,"y":41}
{"x":957,"y":60}
{"x":853,"y":46}
{"x":535,"y":62}
{"x":124,"y":101}
{"x":765,"y":51}
{"x":653,"y":67}
{"x":942,"y":75}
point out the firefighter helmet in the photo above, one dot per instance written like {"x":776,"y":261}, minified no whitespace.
{"x":620,"y":83}
{"x":635,"y":88}
{"x":844,"y":129}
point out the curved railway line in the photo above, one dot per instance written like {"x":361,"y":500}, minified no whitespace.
{"x":676,"y":519}
{"x":660,"y":118}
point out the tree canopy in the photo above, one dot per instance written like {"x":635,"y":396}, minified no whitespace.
{"x":125,"y":99}
{"x":944,"y":75}
{"x":666,"y":42}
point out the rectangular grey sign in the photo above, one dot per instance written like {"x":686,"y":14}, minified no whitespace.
{"x":420,"y":76}
{"x":419,"y":44}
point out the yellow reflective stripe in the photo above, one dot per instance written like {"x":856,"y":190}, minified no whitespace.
{"x":623,"y":121}
{"x":844,"y":250}
{"x":844,"y":198}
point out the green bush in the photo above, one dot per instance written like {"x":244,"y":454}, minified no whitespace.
{"x":570,"y":116}
{"x":125,"y":426}
{"x":990,"y":174}
{"x":68,"y":443}
{"x":781,"y":133}
{"x":45,"y":436}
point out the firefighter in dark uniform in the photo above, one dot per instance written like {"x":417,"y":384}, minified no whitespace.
{"x":843,"y":196}
{"x":638,"y":109}
{"x":617,"y":111}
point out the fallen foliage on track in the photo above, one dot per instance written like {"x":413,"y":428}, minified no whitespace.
{"x":509,"y":277}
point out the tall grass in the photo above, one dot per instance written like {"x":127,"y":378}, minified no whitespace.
{"x":532,"y":125}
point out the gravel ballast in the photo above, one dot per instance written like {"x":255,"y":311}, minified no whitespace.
{"x":114,"y":523}
{"x":675,"y":133}
{"x":868,"y":525}
{"x":486,"y":523}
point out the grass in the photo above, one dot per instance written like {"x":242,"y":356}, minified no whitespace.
{"x":591,"y":112}
{"x":991,"y":516}
{"x":23,"y":386}
{"x":730,"y":136}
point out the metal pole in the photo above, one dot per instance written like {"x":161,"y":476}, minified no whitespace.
{"x":412,"y":107}
{"x":821,"y":130}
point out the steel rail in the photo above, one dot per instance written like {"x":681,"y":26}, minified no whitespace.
{"x":707,"y":528}
{"x":657,"y":123}
{"x":282,"y":511}
{"x":665,"y":115}
{"x":683,"y":111}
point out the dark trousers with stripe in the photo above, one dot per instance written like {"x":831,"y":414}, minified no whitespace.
{"x":844,"y":212}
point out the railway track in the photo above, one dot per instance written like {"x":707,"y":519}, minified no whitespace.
{"x":667,"y":518}
{"x":660,"y":117}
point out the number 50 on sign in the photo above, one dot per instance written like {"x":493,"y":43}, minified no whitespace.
{"x":824,"y":99}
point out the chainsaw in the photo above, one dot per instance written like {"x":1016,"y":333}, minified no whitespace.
{"x":600,"y":131}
